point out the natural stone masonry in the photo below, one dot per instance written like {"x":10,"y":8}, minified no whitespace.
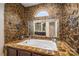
{"x":54,"y":11}
{"x":70,"y":25}
{"x":14,"y":17}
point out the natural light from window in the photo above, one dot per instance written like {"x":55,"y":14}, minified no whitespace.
{"x":41,"y":14}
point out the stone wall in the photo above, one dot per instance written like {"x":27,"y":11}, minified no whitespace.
{"x":14,"y":21}
{"x":54,"y":10}
{"x":70,"y":25}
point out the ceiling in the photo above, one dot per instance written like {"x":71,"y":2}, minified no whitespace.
{"x":29,"y":4}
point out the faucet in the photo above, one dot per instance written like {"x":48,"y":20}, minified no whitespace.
{"x":53,"y":39}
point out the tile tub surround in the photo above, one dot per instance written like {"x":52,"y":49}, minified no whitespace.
{"x":45,"y":44}
{"x":62,"y":49}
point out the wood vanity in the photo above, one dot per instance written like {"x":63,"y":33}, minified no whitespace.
{"x":18,"y":52}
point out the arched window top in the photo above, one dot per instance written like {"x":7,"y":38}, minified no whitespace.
{"x":41,"y":13}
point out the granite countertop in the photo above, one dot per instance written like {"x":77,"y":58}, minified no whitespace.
{"x":36,"y":50}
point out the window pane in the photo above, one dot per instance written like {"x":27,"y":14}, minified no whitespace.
{"x":52,"y":29}
{"x":42,"y":13}
{"x":44,"y":27}
{"x":38,"y":27}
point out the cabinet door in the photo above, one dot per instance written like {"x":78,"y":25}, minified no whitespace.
{"x":33,"y":54}
{"x":23,"y":53}
{"x":11,"y":52}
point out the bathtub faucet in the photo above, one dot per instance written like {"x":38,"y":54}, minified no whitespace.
{"x":53,"y":39}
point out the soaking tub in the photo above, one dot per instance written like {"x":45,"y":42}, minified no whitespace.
{"x":44,"y":44}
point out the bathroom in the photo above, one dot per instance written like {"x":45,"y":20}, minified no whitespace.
{"x":40,"y":29}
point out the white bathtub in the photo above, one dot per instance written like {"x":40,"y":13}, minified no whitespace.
{"x":44,"y":44}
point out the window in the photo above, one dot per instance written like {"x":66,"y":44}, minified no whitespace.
{"x":47,"y":28}
{"x":38,"y":27}
{"x":43,"y":26}
{"x":41,"y":13}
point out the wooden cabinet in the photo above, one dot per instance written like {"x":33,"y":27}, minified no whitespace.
{"x":18,"y":52}
{"x":23,"y":53}
{"x":11,"y":52}
{"x":33,"y":54}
